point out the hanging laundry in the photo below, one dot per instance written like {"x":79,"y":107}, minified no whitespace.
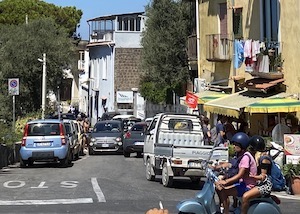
{"x":239,"y":53}
{"x":255,"y":49}
{"x":248,"y":48}
{"x":263,"y":63}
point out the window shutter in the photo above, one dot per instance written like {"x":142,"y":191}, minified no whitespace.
{"x":238,"y":23}
{"x":223,"y":20}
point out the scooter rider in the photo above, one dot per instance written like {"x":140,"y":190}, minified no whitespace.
{"x":241,"y":182}
{"x":264,"y":185}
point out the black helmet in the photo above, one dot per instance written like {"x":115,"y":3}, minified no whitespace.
{"x":241,"y":139}
{"x":257,"y":143}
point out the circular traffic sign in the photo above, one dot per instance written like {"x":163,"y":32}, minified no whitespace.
{"x":13,"y":83}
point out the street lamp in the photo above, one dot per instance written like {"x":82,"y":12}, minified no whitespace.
{"x":43,"y":85}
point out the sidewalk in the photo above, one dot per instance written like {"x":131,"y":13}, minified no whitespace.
{"x":283,"y":194}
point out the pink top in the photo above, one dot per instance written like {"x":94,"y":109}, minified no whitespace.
{"x":244,"y":163}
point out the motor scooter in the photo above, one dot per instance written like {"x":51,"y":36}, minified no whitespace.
{"x":204,"y":201}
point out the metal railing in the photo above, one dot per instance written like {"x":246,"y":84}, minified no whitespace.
{"x":218,"y":47}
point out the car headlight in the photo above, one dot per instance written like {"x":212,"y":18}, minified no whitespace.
{"x":91,"y":144}
{"x":118,"y":139}
{"x":93,"y":140}
{"x":120,"y":143}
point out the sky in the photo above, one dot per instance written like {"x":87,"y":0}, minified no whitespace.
{"x":96,"y":8}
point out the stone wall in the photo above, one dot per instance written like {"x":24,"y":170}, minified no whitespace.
{"x":127,"y":68}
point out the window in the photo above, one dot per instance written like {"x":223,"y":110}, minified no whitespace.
{"x":180,"y":124}
{"x":104,"y":69}
{"x":223,"y":20}
{"x":270,"y":20}
{"x":238,"y":23}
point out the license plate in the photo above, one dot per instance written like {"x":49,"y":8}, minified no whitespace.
{"x":139,"y":143}
{"x":43,"y":144}
{"x":193,"y":164}
{"x":105,"y":145}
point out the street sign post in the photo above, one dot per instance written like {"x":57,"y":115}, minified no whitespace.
{"x":13,"y":89}
{"x":13,"y":86}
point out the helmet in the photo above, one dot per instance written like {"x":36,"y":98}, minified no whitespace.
{"x":242,"y":139}
{"x":257,"y":143}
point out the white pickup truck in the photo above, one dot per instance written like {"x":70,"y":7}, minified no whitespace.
{"x":174,"y":146}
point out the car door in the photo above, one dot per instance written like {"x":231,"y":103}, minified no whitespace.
{"x":150,"y":134}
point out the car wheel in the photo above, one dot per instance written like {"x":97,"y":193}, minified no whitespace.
{"x":91,"y":152}
{"x":64,"y":162}
{"x":23,"y":163}
{"x":126,"y":154}
{"x":149,"y":175}
{"x":166,"y":180}
{"x":195,"y":180}
{"x":30,"y":163}
{"x":139,"y":154}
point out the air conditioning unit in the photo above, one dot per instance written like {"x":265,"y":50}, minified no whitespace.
{"x":199,"y":85}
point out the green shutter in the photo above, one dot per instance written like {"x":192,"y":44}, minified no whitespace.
{"x":238,"y":23}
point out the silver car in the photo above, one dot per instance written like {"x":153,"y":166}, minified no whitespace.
{"x":107,"y":136}
{"x":73,"y":136}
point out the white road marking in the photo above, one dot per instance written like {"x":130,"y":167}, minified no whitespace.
{"x":47,"y":202}
{"x":41,"y":186}
{"x":98,"y":190}
{"x":8,"y":184}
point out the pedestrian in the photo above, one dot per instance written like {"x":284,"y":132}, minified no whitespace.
{"x":229,"y":128}
{"x":206,"y":131}
{"x":220,"y":131}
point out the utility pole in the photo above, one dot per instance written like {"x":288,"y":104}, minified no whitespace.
{"x":43,"y":85}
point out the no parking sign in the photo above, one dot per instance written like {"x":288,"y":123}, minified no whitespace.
{"x":13,"y":86}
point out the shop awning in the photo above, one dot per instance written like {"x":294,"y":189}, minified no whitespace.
{"x":206,"y":96}
{"x":275,"y":104}
{"x":233,"y":105}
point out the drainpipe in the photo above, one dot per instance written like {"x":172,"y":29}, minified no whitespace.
{"x":233,"y":46}
{"x":198,"y":38}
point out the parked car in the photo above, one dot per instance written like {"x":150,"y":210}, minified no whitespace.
{"x":69,"y":116}
{"x":107,"y":136}
{"x":127,"y":121}
{"x":79,"y":130}
{"x":134,"y":139}
{"x":73,"y":136}
{"x":45,"y":140}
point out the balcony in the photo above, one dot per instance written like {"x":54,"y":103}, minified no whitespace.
{"x":101,"y":36}
{"x":218,"y":48}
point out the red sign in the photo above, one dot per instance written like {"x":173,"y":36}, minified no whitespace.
{"x":191,"y":100}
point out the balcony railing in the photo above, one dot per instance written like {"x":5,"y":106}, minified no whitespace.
{"x":101,"y":36}
{"x":218,"y":47}
{"x":192,"y":48}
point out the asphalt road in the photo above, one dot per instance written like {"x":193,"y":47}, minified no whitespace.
{"x":94,"y":184}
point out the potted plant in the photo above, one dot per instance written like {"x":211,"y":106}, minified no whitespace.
{"x":292,"y":174}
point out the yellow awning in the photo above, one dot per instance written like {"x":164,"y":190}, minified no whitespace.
{"x":233,"y":105}
{"x":274,"y":105}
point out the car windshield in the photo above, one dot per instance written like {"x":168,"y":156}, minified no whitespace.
{"x":43,"y":129}
{"x":107,"y":127}
{"x":139,"y":128}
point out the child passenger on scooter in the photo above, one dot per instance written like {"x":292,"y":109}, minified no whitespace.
{"x":264,"y":185}
{"x":242,"y":181}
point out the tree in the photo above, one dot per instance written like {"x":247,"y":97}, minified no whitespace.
{"x":20,"y":48}
{"x":164,"y":60}
{"x":14,"y":12}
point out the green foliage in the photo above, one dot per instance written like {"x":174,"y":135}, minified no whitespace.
{"x":13,"y":12}
{"x":20,"y":48}
{"x":7,"y":136}
{"x":164,"y":59}
{"x":291,"y":170}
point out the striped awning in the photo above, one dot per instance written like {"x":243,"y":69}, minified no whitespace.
{"x":206,"y":96}
{"x":274,"y":105}
{"x":234,"y":105}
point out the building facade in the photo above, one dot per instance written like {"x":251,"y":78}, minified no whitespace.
{"x":114,"y":71}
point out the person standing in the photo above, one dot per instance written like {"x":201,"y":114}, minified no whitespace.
{"x":206,"y":131}
{"x":220,"y":130}
{"x":86,"y":127}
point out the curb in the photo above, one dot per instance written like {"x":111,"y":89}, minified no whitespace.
{"x":284,"y":195}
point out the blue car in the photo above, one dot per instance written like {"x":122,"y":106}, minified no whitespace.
{"x":45,"y":140}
